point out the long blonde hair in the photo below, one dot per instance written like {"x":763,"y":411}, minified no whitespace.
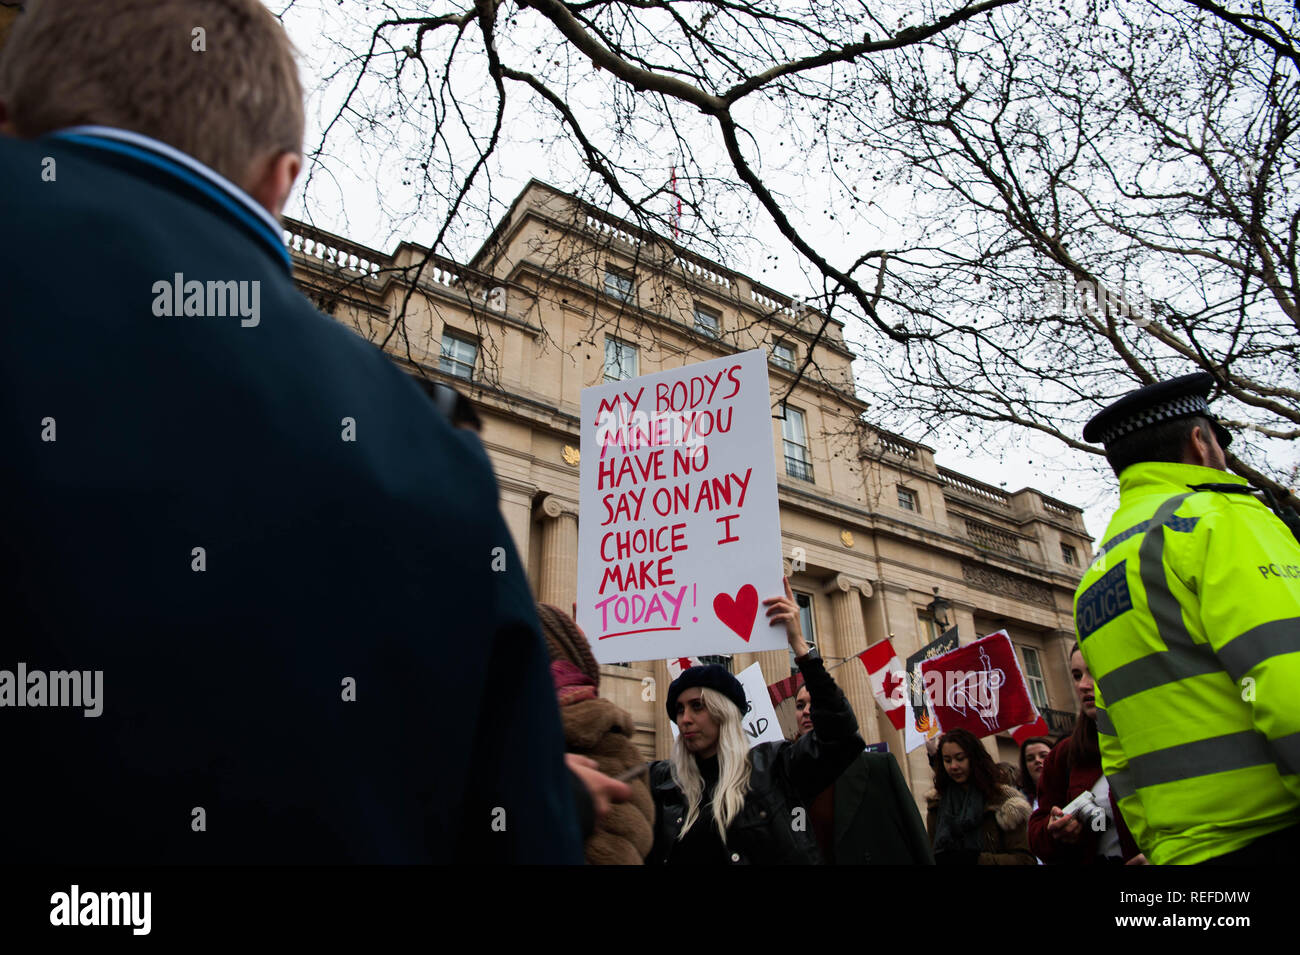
{"x":733,"y":766}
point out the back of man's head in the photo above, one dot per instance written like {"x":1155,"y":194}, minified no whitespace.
{"x":1164,"y":442}
{"x":214,"y":78}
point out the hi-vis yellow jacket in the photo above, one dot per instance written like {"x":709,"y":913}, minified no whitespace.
{"x":1189,"y":619}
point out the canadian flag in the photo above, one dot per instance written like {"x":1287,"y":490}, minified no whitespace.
{"x":677,"y":664}
{"x":887,"y":680}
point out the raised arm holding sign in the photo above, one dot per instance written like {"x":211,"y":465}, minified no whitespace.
{"x":724,"y":798}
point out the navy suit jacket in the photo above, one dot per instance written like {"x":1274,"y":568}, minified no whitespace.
{"x":225,"y":735}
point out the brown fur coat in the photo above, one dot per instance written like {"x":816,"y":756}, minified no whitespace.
{"x":1004,"y":834}
{"x":602,"y":731}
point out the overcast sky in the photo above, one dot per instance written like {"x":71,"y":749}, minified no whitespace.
{"x":347,"y":196}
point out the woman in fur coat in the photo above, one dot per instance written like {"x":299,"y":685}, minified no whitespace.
{"x":973,"y":818}
{"x":601,"y":731}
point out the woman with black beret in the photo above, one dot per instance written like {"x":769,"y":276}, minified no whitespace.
{"x":719,"y":802}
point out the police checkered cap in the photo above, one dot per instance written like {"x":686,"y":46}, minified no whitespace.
{"x":1166,"y":411}
{"x":1181,"y":397}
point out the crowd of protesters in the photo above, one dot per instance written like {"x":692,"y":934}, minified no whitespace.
{"x":821,"y":797}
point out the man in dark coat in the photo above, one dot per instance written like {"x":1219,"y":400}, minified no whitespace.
{"x":277,"y":573}
{"x":868,"y":817}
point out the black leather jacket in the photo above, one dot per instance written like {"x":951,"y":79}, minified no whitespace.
{"x":784,"y":777}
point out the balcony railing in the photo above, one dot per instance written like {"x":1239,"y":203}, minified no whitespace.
{"x":721,"y":659}
{"x":962,"y":486}
{"x":773,"y":303}
{"x":987,"y":537}
{"x":795,"y":467}
{"x":331,"y":253}
{"x":1053,"y":506}
{"x":896,"y":445}
{"x":1059,"y":722}
{"x":332,"y":250}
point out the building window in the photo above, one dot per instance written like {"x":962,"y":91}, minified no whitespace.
{"x":458,"y":355}
{"x":930,"y":630}
{"x":804,"y":601}
{"x":1069,"y":555}
{"x":1034,"y":677}
{"x":783,"y":356}
{"x":797,"y":460}
{"x":621,"y":359}
{"x":707,"y":321}
{"x":906,"y":499}
{"x":618,"y":284}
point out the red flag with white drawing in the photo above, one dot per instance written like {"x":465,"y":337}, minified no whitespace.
{"x":979,"y":687}
{"x":887,"y":680}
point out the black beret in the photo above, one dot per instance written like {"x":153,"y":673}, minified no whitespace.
{"x":714,"y":677}
{"x":1180,"y":397}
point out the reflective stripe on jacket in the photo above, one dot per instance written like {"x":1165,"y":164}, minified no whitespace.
{"x":1189,"y":620}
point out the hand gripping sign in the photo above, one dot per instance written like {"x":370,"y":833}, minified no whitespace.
{"x":679,"y":536}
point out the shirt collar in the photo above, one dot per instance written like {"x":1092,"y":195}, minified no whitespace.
{"x":170,"y":159}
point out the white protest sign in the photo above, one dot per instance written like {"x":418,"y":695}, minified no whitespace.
{"x":679,"y":537}
{"x":760,"y":723}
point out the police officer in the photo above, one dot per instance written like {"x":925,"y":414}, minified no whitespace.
{"x":1189,"y":619}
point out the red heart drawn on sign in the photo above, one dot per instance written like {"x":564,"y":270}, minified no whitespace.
{"x":738,"y":614}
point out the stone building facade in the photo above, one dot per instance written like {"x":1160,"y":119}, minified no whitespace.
{"x":879,"y":539}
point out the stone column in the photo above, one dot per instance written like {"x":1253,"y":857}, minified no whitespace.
{"x":775,"y":663}
{"x":663,"y":735}
{"x":850,"y":633}
{"x":517,"y":510}
{"x":878,"y":629}
{"x":557,"y":579}
{"x":743,"y":661}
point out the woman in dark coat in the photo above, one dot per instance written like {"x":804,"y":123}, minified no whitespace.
{"x":868,"y":817}
{"x":719,"y":802}
{"x":974,"y":819}
{"x":1074,"y":767}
